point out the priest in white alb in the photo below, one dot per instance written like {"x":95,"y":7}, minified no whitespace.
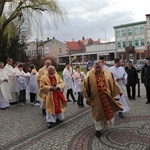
{"x":12,"y":80}
{"x":120,"y":76}
{"x":4,"y":89}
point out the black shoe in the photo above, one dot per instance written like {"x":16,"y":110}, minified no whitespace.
{"x":98,"y":134}
{"x":79,"y":105}
{"x":134,"y":98}
{"x":82,"y":105}
{"x":58,"y":121}
{"x":69,"y":100}
{"x":121,"y":115}
{"x":130,"y":98}
{"x":48,"y":125}
{"x":44,"y":112}
{"x":147,"y":102}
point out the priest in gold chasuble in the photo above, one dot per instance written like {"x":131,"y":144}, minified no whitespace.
{"x":102,"y":93}
{"x":52,"y":86}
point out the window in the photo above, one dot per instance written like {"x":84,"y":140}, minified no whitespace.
{"x":129,"y":32}
{"x":124,"y":44}
{"x":136,"y":31}
{"x":32,"y":53}
{"x":119,"y":44}
{"x":123,"y":33}
{"x":142,"y":42}
{"x":136,"y":42}
{"x":118,"y":33}
{"x":60,"y":50}
{"x":130,"y":43}
{"x":29,"y":52}
{"x":141,"y":30}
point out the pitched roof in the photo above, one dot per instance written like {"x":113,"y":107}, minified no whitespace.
{"x":75,"y":45}
{"x":89,"y":41}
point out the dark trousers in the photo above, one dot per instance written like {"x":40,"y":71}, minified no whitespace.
{"x":22,"y":96}
{"x":129,"y":91}
{"x":148,"y":93}
{"x":32,"y":97}
{"x":70,"y":92}
{"x":80,"y":99}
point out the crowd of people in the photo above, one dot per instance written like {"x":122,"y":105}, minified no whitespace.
{"x":102,"y":87}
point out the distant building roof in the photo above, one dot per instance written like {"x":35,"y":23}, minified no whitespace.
{"x":89,"y":41}
{"x":75,"y":45}
{"x":129,"y":24}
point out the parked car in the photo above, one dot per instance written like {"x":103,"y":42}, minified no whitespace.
{"x":140,"y":63}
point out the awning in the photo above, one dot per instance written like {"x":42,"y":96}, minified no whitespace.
{"x":139,"y":51}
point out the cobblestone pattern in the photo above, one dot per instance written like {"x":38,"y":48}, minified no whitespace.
{"x":58,"y":138}
{"x":18,"y":123}
{"x":24,"y":128}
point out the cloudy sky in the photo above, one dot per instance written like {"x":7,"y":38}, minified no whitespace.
{"x":88,"y":17}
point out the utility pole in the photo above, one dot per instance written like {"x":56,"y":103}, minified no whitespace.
{"x":105,"y":42}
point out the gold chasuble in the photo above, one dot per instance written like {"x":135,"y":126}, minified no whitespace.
{"x":102,"y":90}
{"x":55,"y":100}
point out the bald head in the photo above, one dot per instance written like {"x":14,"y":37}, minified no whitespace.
{"x":51,"y":70}
{"x":47,"y":63}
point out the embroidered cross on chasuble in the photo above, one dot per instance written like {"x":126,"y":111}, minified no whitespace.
{"x":102,"y":90}
{"x":57,"y":96}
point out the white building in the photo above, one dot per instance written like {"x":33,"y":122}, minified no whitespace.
{"x":92,"y":52}
{"x":131,"y":40}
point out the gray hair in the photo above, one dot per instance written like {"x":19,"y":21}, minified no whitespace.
{"x":97,"y":62}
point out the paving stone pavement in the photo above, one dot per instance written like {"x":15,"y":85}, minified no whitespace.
{"x":24,"y":128}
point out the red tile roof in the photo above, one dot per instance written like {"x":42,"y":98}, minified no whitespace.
{"x":74,"y":45}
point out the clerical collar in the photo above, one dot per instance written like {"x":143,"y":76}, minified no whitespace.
{"x":51,"y":75}
{"x":98,"y":73}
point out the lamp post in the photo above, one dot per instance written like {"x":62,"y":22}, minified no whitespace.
{"x":105,"y":42}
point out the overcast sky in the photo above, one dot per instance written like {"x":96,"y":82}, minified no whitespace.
{"x":88,"y":17}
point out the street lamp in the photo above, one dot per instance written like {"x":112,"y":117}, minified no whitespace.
{"x":105,"y":42}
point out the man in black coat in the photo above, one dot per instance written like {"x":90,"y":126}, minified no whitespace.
{"x":132,"y":80}
{"x":145,"y":78}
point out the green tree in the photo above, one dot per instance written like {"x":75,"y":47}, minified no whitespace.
{"x":31,"y":10}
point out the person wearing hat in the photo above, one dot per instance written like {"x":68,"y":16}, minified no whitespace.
{"x":132,"y":80}
{"x":145,"y":78}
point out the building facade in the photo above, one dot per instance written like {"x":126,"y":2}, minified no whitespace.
{"x":92,"y":52}
{"x":131,"y":40}
{"x":50,"y":47}
{"x":148,"y":34}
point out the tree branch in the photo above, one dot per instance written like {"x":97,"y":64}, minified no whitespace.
{"x":2,"y":3}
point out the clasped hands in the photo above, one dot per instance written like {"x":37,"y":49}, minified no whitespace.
{"x":54,"y":88}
